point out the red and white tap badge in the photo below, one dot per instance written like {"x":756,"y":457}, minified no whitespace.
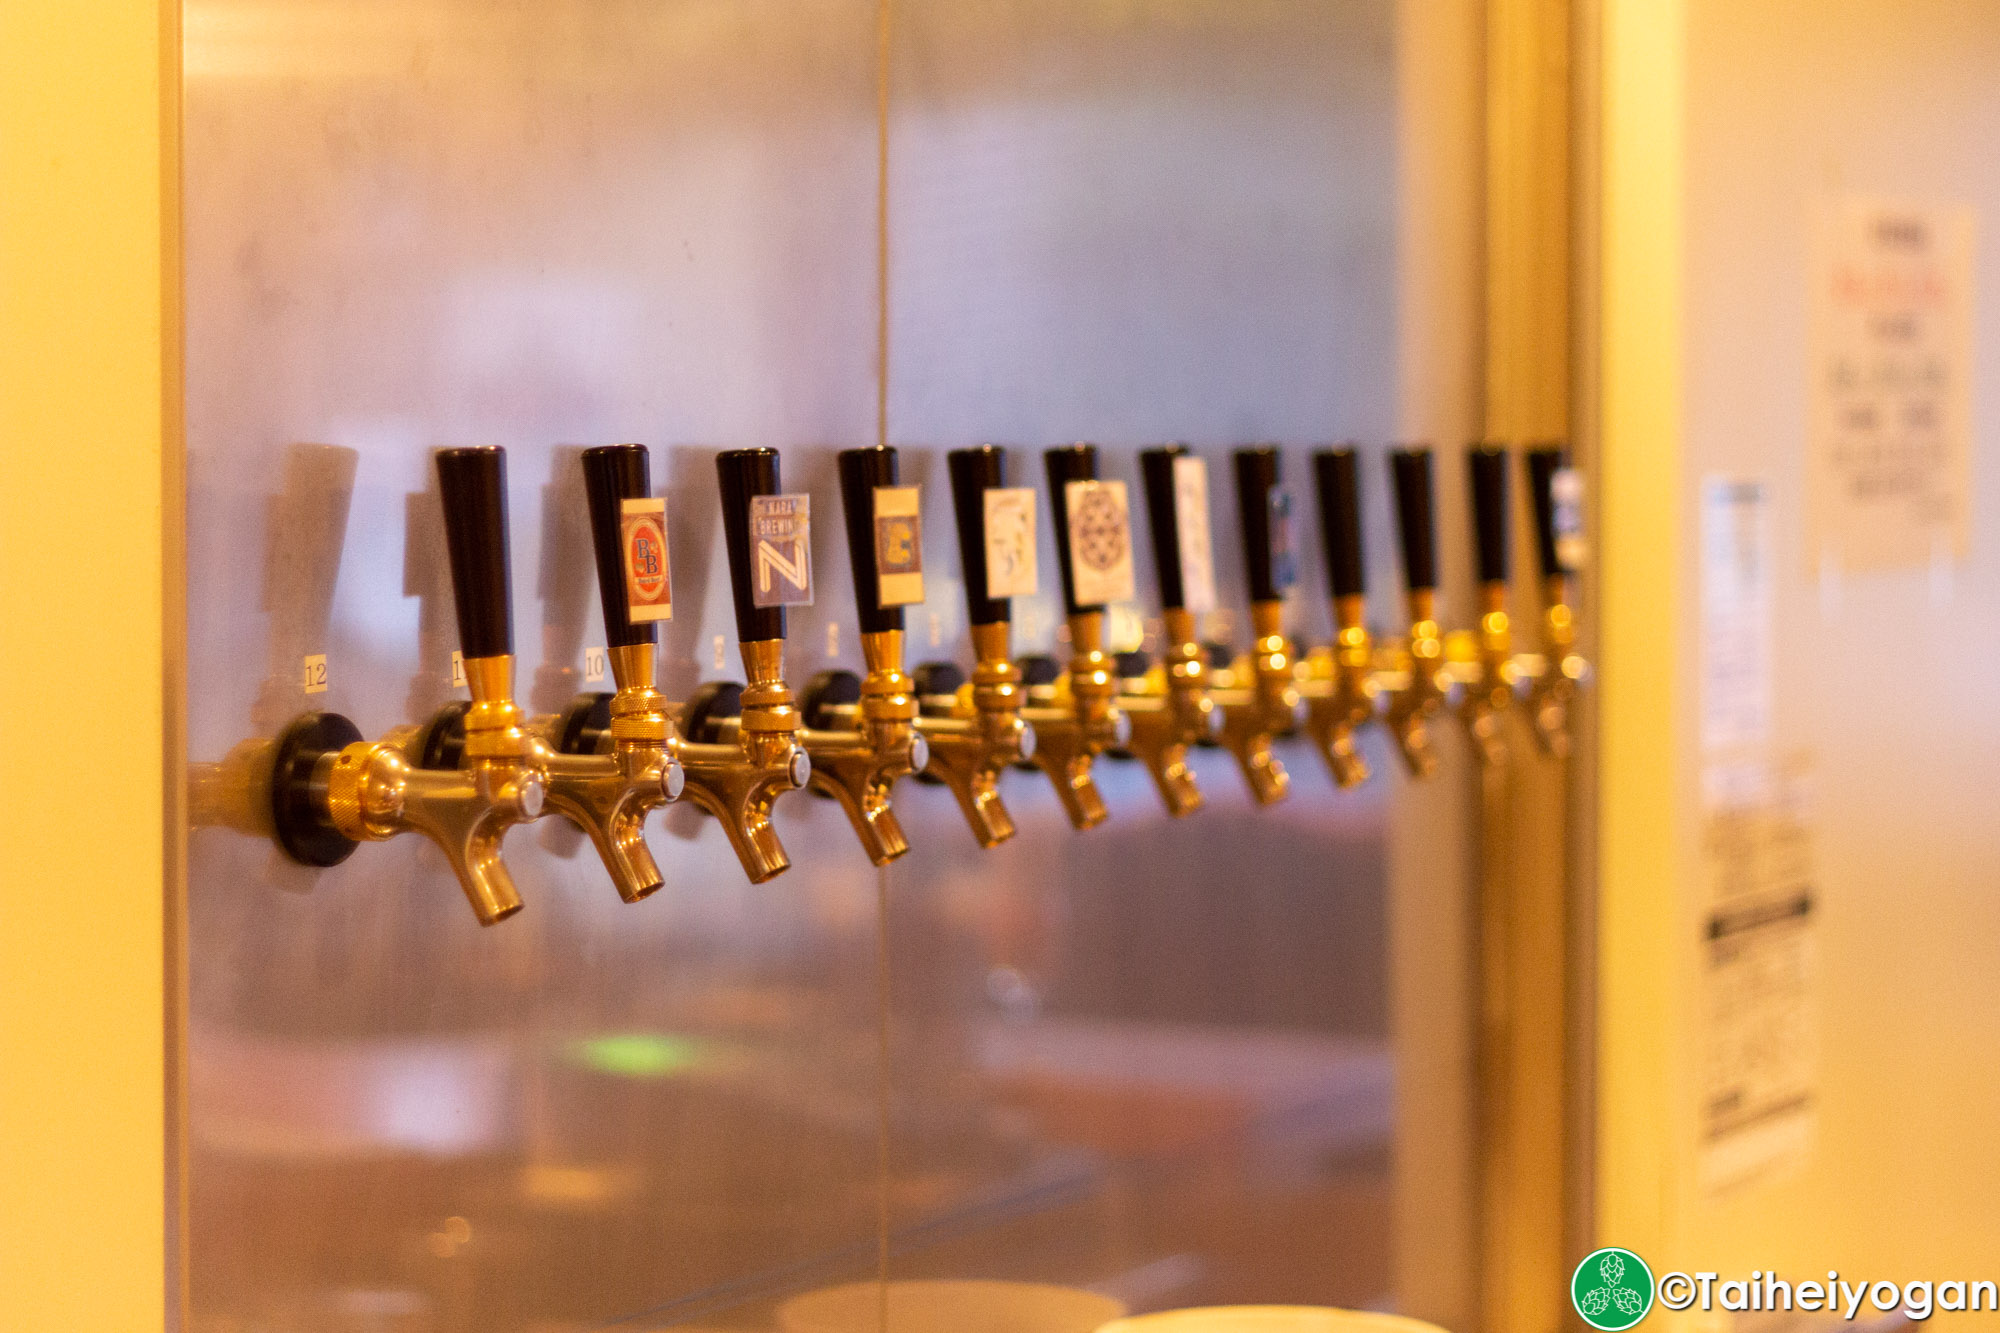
{"x":642,"y":536}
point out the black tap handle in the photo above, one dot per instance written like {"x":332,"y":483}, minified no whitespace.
{"x":1339,"y":484}
{"x":613,"y":474}
{"x":861,"y":471}
{"x":473,"y":484}
{"x":973,"y":473}
{"x":1258,"y":472}
{"x":1156,"y":469}
{"x":1487,"y":465}
{"x":742,"y":474}
{"x":1543,"y":465}
{"x":1411,"y":471}
{"x":1067,"y":463}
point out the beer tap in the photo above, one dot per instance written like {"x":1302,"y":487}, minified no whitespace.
{"x":1489,"y":690}
{"x":1555,"y":491}
{"x":1340,"y":688}
{"x":331,"y":790}
{"x":1170,"y":709}
{"x":742,"y":749}
{"x":862,"y":733}
{"x":611,"y":757}
{"x":1421,"y":692}
{"x":981,"y":732}
{"x":1079,"y":717}
{"x":1261,"y":698}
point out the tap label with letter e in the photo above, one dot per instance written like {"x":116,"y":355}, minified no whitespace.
{"x":781,"y":550}
{"x":1010,"y":542}
{"x":899,"y":546}
{"x":1100,"y":542}
{"x":642,"y":538}
{"x":1197,"y":546}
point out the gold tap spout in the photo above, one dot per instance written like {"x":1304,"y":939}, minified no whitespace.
{"x":984,"y":734}
{"x":609,"y":794}
{"x":859,"y":767}
{"x":1080,"y":720}
{"x":1340,"y":693}
{"x":756,"y":758}
{"x":1266,"y":706}
{"x":1490,"y":692}
{"x":1421,"y":693}
{"x":373,"y":792}
{"x":1172,"y":711}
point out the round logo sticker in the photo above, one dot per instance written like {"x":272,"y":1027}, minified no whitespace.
{"x":1612,"y":1289}
{"x":646,"y":558}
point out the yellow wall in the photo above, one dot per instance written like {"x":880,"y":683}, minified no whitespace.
{"x":1639,"y":926}
{"x":88,"y":424}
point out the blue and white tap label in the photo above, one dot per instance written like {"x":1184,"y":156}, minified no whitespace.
{"x":781,"y":550}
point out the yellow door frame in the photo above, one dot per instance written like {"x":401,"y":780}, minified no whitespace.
{"x":90,"y":650}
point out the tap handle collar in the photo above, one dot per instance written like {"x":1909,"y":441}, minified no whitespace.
{"x":1156,"y":470}
{"x":1337,"y":477}
{"x":1065,"y":464}
{"x":1543,"y":464}
{"x":613,"y":474}
{"x":1415,"y":522}
{"x":743,"y":475}
{"x":973,"y":473}
{"x":473,"y":484}
{"x":862,"y":471}
{"x":1487,"y":465}
{"x":1259,"y":471}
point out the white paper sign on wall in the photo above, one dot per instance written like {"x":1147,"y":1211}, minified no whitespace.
{"x":1889,"y":418}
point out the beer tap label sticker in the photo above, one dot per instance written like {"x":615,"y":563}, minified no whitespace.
{"x":781,"y":550}
{"x":1100,"y":542}
{"x":1284,"y":565}
{"x":899,"y":546}
{"x":1566,"y":517}
{"x":642,"y":537}
{"x":1197,"y":544}
{"x":1010,"y":542}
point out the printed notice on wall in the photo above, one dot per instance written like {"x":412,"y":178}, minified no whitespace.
{"x":1889,"y":417}
{"x":1736,"y":648}
{"x":1759,"y":1073}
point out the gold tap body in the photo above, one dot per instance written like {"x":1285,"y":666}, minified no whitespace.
{"x":859,"y":768}
{"x":609,"y":795}
{"x":1490,"y":692}
{"x":1253,"y":713}
{"x":1340,"y":692}
{"x":1563,"y":670}
{"x":1421,"y":693}
{"x":1173,"y":713}
{"x":985,"y":734}
{"x":738,"y":780}
{"x":1080,"y":722}
{"x":373,"y":791}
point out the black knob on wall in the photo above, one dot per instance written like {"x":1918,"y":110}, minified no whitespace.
{"x":973,"y":473}
{"x":861,"y":471}
{"x":613,"y":474}
{"x":473,"y":485}
{"x":1337,"y":478}
{"x":1415,"y":523}
{"x":1258,"y":472}
{"x":742,"y":474}
{"x":1070,"y":462}
{"x":1487,"y":467}
{"x":1156,"y":470}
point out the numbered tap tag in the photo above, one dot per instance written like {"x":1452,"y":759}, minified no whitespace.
{"x":1566,"y":512}
{"x":642,"y":535}
{"x":1100,"y":542}
{"x":1010,"y":542}
{"x":1284,"y":564}
{"x":899,"y":546}
{"x":781,"y":550}
{"x":1197,"y":543}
